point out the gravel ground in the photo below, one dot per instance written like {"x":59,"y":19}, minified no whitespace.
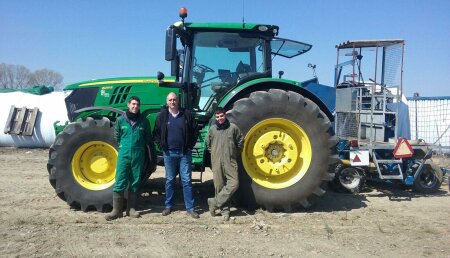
{"x":384,"y":220}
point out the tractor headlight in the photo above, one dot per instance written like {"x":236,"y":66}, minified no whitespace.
{"x":263,"y":28}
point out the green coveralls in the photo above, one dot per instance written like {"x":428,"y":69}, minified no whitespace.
{"x":225,"y":146}
{"x":132,"y":142}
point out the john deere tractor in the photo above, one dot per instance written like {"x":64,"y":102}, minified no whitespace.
{"x":289,"y":141}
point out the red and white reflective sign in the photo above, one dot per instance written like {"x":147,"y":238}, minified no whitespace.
{"x":359,"y":158}
{"x":403,"y":149}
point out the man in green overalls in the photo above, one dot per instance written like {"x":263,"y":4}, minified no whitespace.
{"x":224,"y":140}
{"x":132,"y":133}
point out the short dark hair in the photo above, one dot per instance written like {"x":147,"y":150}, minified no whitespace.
{"x":220,"y":110}
{"x":134,"y":98}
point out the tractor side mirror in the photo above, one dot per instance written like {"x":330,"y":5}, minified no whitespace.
{"x":169,"y":84}
{"x":171,"y":44}
{"x":160,"y":76}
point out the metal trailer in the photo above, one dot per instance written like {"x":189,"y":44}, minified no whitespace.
{"x":372,"y":120}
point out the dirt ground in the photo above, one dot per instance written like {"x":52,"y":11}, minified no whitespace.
{"x":383,"y":221}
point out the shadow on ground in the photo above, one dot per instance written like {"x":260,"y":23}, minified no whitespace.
{"x":396,"y":191}
{"x":153,"y":197}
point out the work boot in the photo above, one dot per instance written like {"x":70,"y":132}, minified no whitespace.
{"x":117,"y":207}
{"x":131,"y":205}
{"x":226,"y":216}
{"x":212,"y":207}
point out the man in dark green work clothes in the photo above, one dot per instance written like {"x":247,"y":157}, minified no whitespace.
{"x":224,"y":141}
{"x":132,"y":133}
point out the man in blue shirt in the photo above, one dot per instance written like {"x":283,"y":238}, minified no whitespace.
{"x":176,"y":133}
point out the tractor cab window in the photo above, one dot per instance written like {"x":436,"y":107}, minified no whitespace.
{"x":220,"y":60}
{"x":288,"y":48}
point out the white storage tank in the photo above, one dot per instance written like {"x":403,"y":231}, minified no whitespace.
{"x":51,"y":108}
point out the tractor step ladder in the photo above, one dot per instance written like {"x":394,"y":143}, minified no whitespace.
{"x":196,"y":150}
{"x":21,"y":121}
{"x":388,"y":161}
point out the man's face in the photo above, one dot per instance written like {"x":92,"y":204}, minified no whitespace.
{"x":220,"y":118}
{"x":134,"y":106}
{"x":172,"y":101}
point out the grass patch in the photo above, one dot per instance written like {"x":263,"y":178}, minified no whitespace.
{"x":19,"y":222}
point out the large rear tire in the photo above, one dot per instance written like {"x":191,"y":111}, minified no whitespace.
{"x":288,"y":147}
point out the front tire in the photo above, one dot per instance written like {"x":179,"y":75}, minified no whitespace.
{"x":288,"y":147}
{"x":82,"y":163}
{"x":430,"y":180}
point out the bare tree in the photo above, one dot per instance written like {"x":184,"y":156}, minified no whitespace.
{"x":45,"y":77}
{"x":20,"y":77}
{"x":22,"y":74}
{"x":3,"y":76}
{"x":14,"y":76}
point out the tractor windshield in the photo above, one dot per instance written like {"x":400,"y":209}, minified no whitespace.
{"x":221,"y":60}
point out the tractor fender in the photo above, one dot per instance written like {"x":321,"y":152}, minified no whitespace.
{"x":265,"y":84}
{"x":59,"y":128}
{"x":150,"y":116}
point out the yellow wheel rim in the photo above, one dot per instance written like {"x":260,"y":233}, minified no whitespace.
{"x":277,"y":153}
{"x":94,"y":165}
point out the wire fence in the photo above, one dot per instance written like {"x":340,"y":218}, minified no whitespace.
{"x":430,"y":120}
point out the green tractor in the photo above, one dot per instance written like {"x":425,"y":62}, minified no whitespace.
{"x":289,"y":140}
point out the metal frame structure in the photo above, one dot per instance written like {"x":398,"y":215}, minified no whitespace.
{"x":370,"y":98}
{"x":365,"y":102}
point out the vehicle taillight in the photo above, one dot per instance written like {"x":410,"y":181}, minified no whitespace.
{"x":354,"y":143}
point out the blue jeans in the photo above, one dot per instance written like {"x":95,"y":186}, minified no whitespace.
{"x":176,"y":162}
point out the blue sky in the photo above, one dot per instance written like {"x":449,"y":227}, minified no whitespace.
{"x":87,"y":39}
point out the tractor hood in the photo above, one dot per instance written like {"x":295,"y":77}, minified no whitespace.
{"x":113,"y":93}
{"x":115,"y":81}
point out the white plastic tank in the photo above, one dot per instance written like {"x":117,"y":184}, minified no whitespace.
{"x":51,"y":108}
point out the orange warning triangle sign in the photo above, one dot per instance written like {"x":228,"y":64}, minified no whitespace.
{"x":403,"y":149}
{"x":356,"y":159}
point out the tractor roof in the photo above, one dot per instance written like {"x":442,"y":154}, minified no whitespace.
{"x":369,"y":43}
{"x":233,"y":26}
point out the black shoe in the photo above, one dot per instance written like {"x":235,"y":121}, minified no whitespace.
{"x":193,"y":214}
{"x":166,"y":211}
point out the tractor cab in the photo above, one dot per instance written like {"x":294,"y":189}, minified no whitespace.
{"x":215,"y":58}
